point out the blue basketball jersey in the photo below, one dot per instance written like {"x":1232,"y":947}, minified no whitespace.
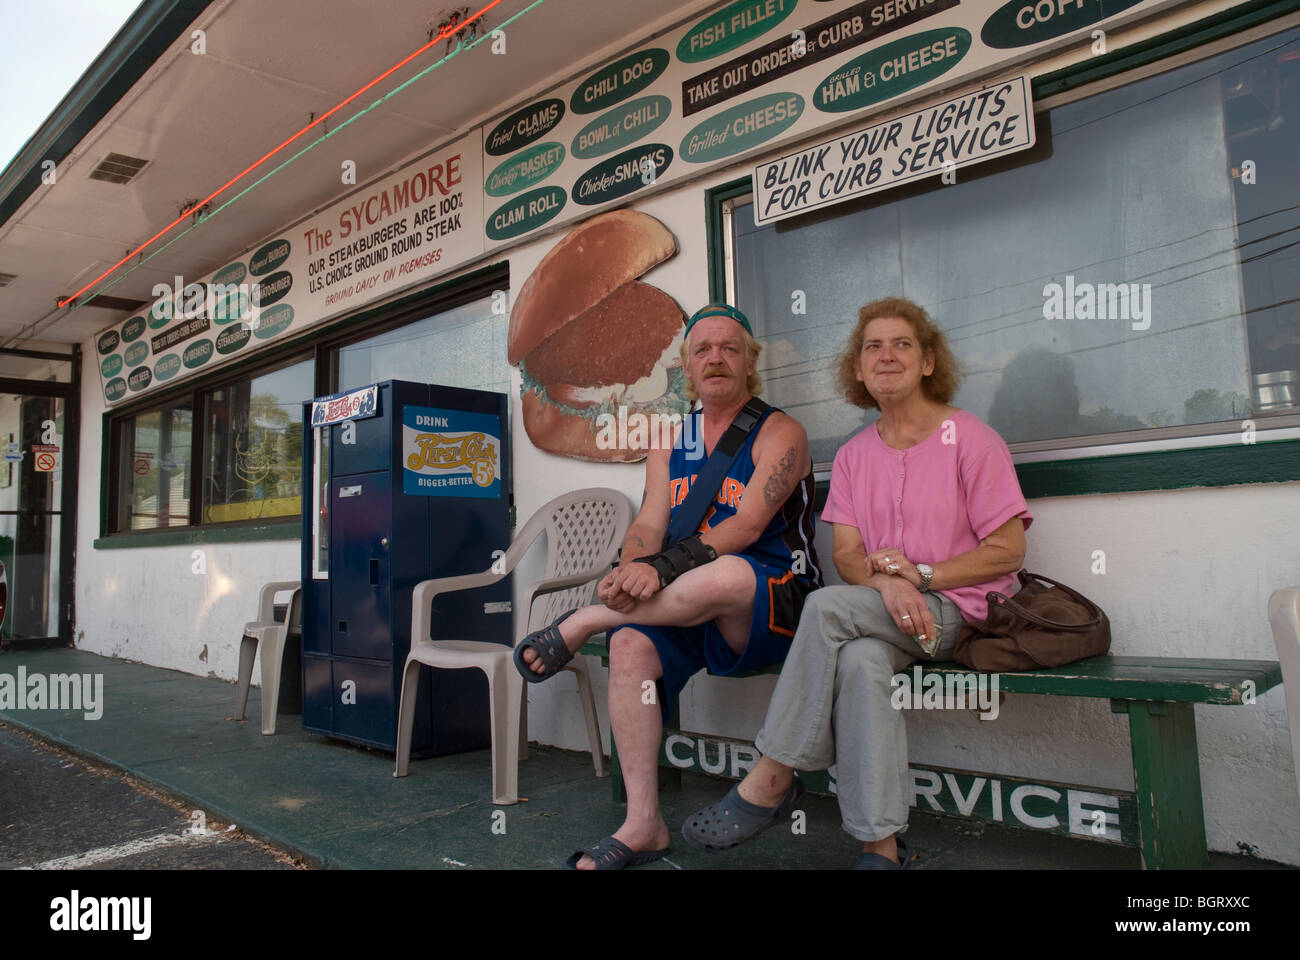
{"x":787,"y":541}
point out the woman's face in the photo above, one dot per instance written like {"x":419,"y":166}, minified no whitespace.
{"x":891,"y":363}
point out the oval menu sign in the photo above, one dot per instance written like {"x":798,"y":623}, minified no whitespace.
{"x":622,"y":174}
{"x":523,"y":127}
{"x":742,"y":127}
{"x":197,"y":354}
{"x":108,"y":342}
{"x":621,"y":127}
{"x":892,"y":69}
{"x":132,"y":329}
{"x":731,"y":27}
{"x":268,"y":257}
{"x":524,"y":169}
{"x":618,"y":81}
{"x":526,"y":212}
{"x":1022,"y":22}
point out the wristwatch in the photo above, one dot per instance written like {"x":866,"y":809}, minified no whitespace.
{"x":927,"y":574}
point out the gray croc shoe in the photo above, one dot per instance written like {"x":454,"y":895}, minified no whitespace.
{"x":874,"y":861}
{"x":733,"y":820}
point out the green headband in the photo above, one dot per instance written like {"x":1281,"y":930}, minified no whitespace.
{"x":718,"y":310}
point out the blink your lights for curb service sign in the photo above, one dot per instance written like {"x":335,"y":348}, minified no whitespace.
{"x":738,"y":81}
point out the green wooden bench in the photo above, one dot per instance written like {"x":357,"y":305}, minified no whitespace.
{"x":1158,"y":694}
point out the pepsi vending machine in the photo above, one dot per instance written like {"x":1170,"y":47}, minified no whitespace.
{"x":408,"y":482}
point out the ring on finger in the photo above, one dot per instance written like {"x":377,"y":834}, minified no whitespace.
{"x":892,"y":568}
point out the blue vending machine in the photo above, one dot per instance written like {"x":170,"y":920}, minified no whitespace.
{"x":403,"y":482}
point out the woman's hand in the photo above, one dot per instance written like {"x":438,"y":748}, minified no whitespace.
{"x":908,"y":608}
{"x":893,"y":562}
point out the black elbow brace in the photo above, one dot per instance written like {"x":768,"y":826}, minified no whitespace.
{"x":681,"y":556}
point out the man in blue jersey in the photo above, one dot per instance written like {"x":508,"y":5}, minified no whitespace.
{"x":728,"y":597}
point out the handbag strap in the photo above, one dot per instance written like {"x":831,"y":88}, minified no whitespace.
{"x":1021,"y":610}
{"x":686,"y":519}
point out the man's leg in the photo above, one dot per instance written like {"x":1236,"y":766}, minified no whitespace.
{"x":637,"y":730}
{"x":721,"y":591}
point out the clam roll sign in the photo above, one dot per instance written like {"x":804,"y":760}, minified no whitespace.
{"x":967,"y":129}
{"x":450,"y":453}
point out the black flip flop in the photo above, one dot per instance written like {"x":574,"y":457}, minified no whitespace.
{"x":550,"y":648}
{"x":611,"y":854}
{"x":733,"y":820}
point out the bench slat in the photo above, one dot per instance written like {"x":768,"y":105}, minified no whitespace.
{"x":1140,"y":678}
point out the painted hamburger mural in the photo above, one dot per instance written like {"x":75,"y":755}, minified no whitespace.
{"x":594,"y":344}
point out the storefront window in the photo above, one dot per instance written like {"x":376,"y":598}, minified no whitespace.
{"x":154,"y":468}
{"x":461,"y":347}
{"x":253,"y":440}
{"x":1134,"y":275}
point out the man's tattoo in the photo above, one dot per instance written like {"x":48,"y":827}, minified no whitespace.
{"x":634,"y":540}
{"x":777,"y":487}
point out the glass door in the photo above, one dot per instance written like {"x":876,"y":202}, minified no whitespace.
{"x":34,"y":441}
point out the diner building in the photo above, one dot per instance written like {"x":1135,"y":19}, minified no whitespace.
{"x":243,"y":206}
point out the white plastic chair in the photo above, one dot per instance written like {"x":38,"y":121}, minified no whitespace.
{"x":584,"y":531}
{"x":1284,"y":615}
{"x":270,"y":635}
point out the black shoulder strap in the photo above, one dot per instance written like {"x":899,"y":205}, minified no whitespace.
{"x":686,"y":520}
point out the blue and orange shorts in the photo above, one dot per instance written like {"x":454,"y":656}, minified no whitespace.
{"x":684,"y":651}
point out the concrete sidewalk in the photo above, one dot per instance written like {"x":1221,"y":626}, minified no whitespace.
{"x":340,"y":806}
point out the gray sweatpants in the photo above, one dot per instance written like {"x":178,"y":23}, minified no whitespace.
{"x":832,"y":702}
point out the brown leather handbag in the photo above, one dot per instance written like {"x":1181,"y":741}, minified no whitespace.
{"x":1046,"y":624}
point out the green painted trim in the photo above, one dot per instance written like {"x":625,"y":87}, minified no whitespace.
{"x":713,"y":221}
{"x":288,"y":529}
{"x":105,"y":461}
{"x":1277,"y":461}
{"x":134,"y":49}
{"x":1168,"y":44}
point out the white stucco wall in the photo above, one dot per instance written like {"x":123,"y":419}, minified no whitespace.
{"x":1188,"y":574}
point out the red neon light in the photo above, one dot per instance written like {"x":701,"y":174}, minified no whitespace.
{"x":442,"y":35}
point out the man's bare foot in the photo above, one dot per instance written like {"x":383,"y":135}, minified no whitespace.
{"x":650,"y":836}
{"x":575,"y":634}
{"x":767,"y":784}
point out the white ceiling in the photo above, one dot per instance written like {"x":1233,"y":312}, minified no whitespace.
{"x":201,"y":119}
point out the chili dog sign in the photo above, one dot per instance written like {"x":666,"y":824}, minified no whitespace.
{"x":955,"y":133}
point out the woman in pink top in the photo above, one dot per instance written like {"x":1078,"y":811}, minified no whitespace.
{"x":928,"y":517}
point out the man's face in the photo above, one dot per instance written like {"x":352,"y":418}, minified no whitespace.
{"x":891,"y":363}
{"x":716,"y":360}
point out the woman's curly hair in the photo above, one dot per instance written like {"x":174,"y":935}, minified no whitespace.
{"x":941,"y":385}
